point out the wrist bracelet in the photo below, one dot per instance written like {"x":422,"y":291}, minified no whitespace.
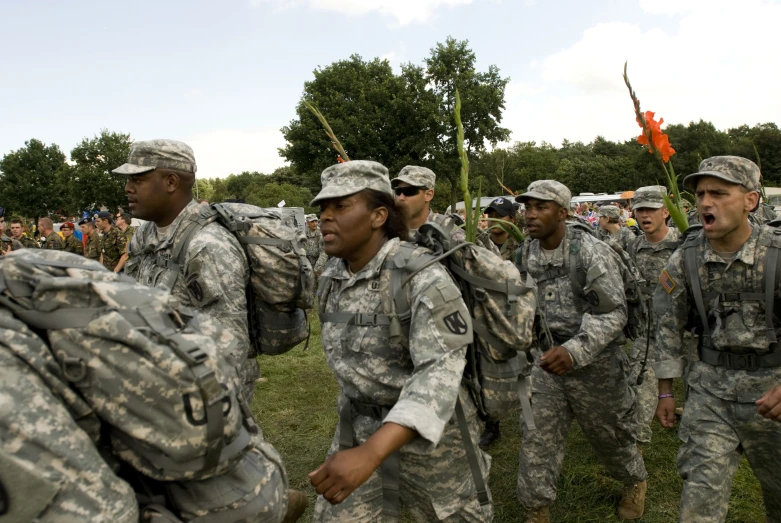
{"x":663,"y":396}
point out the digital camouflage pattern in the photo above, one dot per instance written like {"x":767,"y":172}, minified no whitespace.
{"x":353,"y":177}
{"x":314,"y":250}
{"x":373,"y":365}
{"x":720,"y":414}
{"x":457,"y":234}
{"x":547,"y":190}
{"x":733,"y":169}
{"x":112,"y":247}
{"x":92,"y":246}
{"x":49,"y":466}
{"x":507,"y":249}
{"x":650,"y":259}
{"x":416,"y":176}
{"x":594,"y":341}
{"x":610,"y":211}
{"x":73,"y":245}
{"x":9,"y":243}
{"x":649,"y":197}
{"x":53,"y":241}
{"x":149,"y":155}
{"x":623,"y":236}
{"x":213,"y":281}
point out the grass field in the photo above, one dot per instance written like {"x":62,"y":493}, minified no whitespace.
{"x":296,"y":407}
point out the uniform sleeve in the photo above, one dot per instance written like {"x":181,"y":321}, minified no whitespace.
{"x":440,"y":330}
{"x":121,"y":242}
{"x":671,"y":306}
{"x":607,"y":315}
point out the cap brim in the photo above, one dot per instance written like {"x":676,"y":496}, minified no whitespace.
{"x":408,"y":181}
{"x":533,"y":195}
{"x":130,"y":169}
{"x":334,"y":192}
{"x":647,"y":205}
{"x":690,"y":182}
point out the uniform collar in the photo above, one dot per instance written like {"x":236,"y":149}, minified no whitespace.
{"x":191,"y":209}
{"x":745,"y":254}
{"x":339,"y":271}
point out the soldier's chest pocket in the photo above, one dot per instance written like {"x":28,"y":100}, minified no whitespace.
{"x":374,"y":342}
{"x":551,"y":291}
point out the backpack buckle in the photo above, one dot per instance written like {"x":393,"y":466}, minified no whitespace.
{"x":749,"y":362}
{"x":73,"y":369}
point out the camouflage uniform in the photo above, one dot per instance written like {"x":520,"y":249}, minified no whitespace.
{"x":214,"y":276}
{"x":129,"y":232}
{"x":721,"y":417}
{"x":507,"y":249}
{"x":596,"y":392}
{"x":6,"y":241}
{"x":112,"y":247}
{"x":50,"y":468}
{"x":623,"y":236}
{"x":397,"y":372}
{"x":53,"y":241}
{"x":73,"y":245}
{"x":28,"y":243}
{"x":92,"y":246}
{"x":649,"y":258}
{"x":314,"y":250}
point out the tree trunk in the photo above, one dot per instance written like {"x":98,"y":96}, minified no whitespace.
{"x":454,"y":199}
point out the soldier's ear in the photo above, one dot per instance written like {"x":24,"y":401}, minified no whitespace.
{"x":171,"y":181}
{"x":379,"y":217}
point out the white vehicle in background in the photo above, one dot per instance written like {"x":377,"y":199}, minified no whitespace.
{"x":774,"y":197}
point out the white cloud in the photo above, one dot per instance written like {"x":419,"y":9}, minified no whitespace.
{"x":232,"y":151}
{"x":403,"y":12}
{"x":719,"y":64}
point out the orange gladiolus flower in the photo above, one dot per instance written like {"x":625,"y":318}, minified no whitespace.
{"x":659,"y":140}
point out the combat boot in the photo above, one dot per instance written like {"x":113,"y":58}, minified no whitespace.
{"x":538,"y":515}
{"x":296,"y":505}
{"x":632,"y":504}
{"x":490,"y":434}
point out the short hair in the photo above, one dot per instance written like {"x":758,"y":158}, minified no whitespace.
{"x":18,"y":220}
{"x":126,"y":217}
{"x":612,"y":220}
{"x":46,"y":222}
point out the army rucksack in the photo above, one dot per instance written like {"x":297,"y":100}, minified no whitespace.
{"x":573,"y":268}
{"x":143,"y":378}
{"x":281,"y":283}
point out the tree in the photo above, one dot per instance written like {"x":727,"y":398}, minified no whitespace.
{"x":92,"y":184}
{"x":377,"y":115}
{"x":31,"y":179}
{"x":451,"y":66}
{"x":271,"y":194}
{"x":204,"y":190}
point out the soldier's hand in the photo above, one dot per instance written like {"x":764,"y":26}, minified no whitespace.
{"x":556,"y":361}
{"x":343,"y":472}
{"x":770,"y":404}
{"x":665,"y":412}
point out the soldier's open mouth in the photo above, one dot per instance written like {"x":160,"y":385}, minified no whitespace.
{"x":708,"y":219}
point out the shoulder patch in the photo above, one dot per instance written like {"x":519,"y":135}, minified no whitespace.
{"x":456,"y":324}
{"x":667,"y":283}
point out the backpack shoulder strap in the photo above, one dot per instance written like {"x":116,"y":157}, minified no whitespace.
{"x":577,"y":274}
{"x":771,"y":281}
{"x":691,"y":271}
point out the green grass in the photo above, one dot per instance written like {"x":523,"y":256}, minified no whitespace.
{"x":296,"y":407}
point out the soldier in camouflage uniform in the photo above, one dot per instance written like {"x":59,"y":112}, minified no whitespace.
{"x":18,"y":234}
{"x":7,"y":244}
{"x":583,"y":373}
{"x":649,"y":252}
{"x":390,"y":414}
{"x":414,"y":189}
{"x":112,"y":243}
{"x":51,"y":240}
{"x":123,"y":222}
{"x":314,"y":245}
{"x":71,"y":243}
{"x":610,"y":226}
{"x":215,"y":273}
{"x":717,"y":281}
{"x":92,"y":242}
{"x":50,"y":469}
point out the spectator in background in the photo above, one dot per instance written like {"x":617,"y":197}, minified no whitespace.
{"x":70,"y":243}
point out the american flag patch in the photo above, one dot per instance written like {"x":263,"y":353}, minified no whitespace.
{"x":666,"y":281}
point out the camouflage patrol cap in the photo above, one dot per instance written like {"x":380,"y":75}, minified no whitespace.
{"x":344,"y":179}
{"x":732,"y":169}
{"x":311,"y":217}
{"x":547,"y":190}
{"x":158,"y":154}
{"x":649,"y":197}
{"x":416,"y":176}
{"x":610,"y":211}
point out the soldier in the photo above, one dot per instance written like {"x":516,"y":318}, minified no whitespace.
{"x":18,"y":234}
{"x":610,"y":226}
{"x":112,"y":243}
{"x":724,"y":281}
{"x":7,"y":244}
{"x":51,"y":240}
{"x":123,"y":222}
{"x":500,"y":209}
{"x":649,"y":252}
{"x":395,"y":428}
{"x":71,"y":244}
{"x":582,"y":373}
{"x":314,"y":245}
{"x":92,"y":241}
{"x":414,"y":188}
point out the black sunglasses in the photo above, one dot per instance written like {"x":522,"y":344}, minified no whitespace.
{"x":408,"y":190}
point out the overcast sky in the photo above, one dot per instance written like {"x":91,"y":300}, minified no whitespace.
{"x":226,"y":76}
